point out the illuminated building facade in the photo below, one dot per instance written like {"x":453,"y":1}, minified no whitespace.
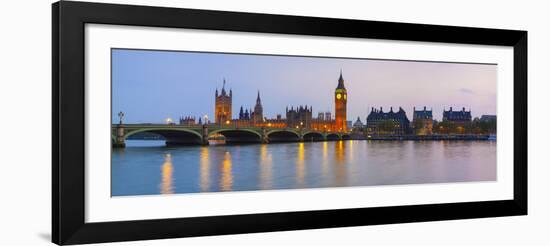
{"x":340,"y":103}
{"x":222,"y":112}
{"x":300,"y":117}
{"x":295,"y":117}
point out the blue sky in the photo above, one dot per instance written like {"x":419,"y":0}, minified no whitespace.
{"x":149,"y":86}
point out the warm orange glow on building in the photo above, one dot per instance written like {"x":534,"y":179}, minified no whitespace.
{"x":340,"y":103}
{"x":298,"y":118}
{"x":222,"y":110}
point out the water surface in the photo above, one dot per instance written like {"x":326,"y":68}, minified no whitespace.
{"x":147,"y":167}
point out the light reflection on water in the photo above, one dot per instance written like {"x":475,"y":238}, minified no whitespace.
{"x":265,"y":168}
{"x":226,"y":182}
{"x":213,"y":168}
{"x":204,"y":170}
{"x":167,"y":171}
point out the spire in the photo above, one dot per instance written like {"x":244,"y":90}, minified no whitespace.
{"x":223,"y":88}
{"x":341,"y":82}
{"x":258,"y":100}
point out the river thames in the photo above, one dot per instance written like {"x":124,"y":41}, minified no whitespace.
{"x":147,"y":167}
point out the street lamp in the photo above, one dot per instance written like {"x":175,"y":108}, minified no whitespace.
{"x":169,"y":120}
{"x":205,"y":119}
{"x":120,"y":115}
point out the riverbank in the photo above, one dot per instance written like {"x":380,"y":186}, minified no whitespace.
{"x":485,"y":137}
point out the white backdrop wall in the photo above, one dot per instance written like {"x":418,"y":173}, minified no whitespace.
{"x":25,"y":98}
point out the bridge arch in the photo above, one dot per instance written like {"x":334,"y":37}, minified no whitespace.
{"x":239,"y":135}
{"x":313,"y":136}
{"x":346,"y":137}
{"x":283,"y":135}
{"x":173,"y":136}
{"x":333,"y":136}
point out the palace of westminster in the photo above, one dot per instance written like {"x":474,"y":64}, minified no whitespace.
{"x":296,"y":117}
{"x":302,"y":116}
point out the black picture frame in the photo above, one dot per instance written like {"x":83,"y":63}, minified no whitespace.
{"x":68,"y":106}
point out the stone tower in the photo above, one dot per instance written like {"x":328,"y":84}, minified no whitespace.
{"x":222,"y":112}
{"x":340,"y":103}
{"x":258,"y":110}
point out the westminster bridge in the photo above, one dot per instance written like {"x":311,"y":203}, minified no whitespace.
{"x":200,"y":134}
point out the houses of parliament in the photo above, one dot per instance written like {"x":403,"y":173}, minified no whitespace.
{"x":295,"y":116}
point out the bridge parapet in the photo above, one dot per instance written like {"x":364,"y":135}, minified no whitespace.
{"x":199,"y":134}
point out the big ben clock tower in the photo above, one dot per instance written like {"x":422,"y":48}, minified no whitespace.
{"x":340,"y":101}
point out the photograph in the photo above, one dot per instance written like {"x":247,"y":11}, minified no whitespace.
{"x":197,"y":122}
{"x":275,"y":123}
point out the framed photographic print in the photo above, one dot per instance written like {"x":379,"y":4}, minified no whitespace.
{"x":175,"y":122}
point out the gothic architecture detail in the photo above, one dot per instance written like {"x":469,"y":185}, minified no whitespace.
{"x":340,"y":103}
{"x":300,"y":117}
{"x":295,"y":117}
{"x":188,"y":120}
{"x":222,"y":111}
{"x":258,"y":116}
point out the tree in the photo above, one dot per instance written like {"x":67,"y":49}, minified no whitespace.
{"x":387,"y":126}
{"x":478,"y":126}
{"x":445,"y":127}
{"x":418,"y":125}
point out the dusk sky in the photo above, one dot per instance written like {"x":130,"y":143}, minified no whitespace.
{"x":149,"y":86}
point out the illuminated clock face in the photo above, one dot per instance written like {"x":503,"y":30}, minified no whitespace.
{"x":338,"y":96}
{"x":345,"y":97}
